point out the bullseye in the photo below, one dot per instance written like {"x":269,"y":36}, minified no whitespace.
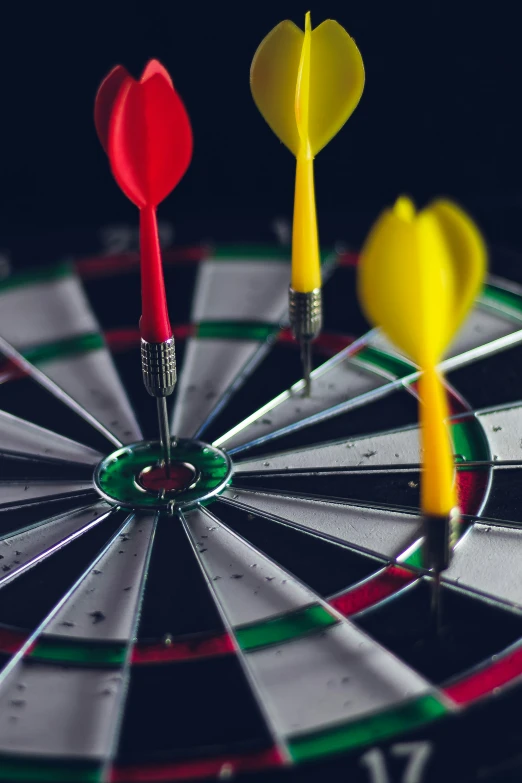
{"x":135,"y":476}
{"x":181,"y":476}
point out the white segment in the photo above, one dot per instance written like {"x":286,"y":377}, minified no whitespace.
{"x":333,"y":384}
{"x":59,"y":711}
{"x":22,"y":437}
{"x":25,"y":491}
{"x":112,"y":587}
{"x":91,"y":379}
{"x":250,"y":587}
{"x":332,"y":677}
{"x":482,"y":326}
{"x":210,"y":367}
{"x":384,"y":533}
{"x":253,"y":290}
{"x":488,"y":559}
{"x":397,"y":448}
{"x":59,"y":309}
{"x":23,"y":550}
{"x":503,"y":430}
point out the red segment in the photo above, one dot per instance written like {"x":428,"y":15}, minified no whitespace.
{"x":11,"y":641}
{"x":105,"y":266}
{"x":180,"y":476}
{"x":471,"y":489}
{"x":199,"y":768}
{"x":328,"y":342}
{"x":348,"y":258}
{"x":375,"y":589}
{"x":483,"y":682}
{"x":182,"y":650}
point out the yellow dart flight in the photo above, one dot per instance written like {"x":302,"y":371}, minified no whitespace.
{"x":306,"y":85}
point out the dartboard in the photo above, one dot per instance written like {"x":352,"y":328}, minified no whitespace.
{"x":267,"y":615}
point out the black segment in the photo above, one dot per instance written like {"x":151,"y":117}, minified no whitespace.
{"x":177,"y":600}
{"x":28,"y":400}
{"x":116,"y":300}
{"x":26,"y":600}
{"x":471,"y":630}
{"x":190,"y":710}
{"x":15,"y":467}
{"x":505,"y":498}
{"x":492,"y":381}
{"x":393,"y":411}
{"x":15,"y":518}
{"x":394,"y":488}
{"x":324,"y":566}
{"x":341,"y":309}
{"x":279,"y":370}
{"x":128,"y":364}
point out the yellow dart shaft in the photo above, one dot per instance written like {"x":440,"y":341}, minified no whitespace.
{"x":306,"y":268}
{"x":306,"y":272}
{"x":438,"y":494}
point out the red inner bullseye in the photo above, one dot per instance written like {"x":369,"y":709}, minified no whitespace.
{"x":181,"y":476}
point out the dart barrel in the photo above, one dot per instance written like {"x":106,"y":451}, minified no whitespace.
{"x":158,"y":364}
{"x":306,"y":313}
{"x":440,"y":536}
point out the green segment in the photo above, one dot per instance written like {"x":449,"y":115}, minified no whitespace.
{"x":285,"y":628}
{"x":260,"y":253}
{"x":35,"y":276}
{"x":499,"y":297}
{"x":367,"y":730}
{"x":44,"y":771}
{"x":469,"y":441}
{"x":64,"y":349}
{"x":68,"y":651}
{"x":393,"y":365}
{"x":414,"y":558}
{"x":236,"y":330}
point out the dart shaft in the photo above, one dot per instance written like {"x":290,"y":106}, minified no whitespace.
{"x":158,"y":364}
{"x":306,"y":267}
{"x":154,"y":324}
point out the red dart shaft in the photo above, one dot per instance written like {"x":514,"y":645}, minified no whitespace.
{"x":155,"y":324}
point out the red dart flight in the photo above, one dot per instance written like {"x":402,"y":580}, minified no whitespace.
{"x":145,"y":130}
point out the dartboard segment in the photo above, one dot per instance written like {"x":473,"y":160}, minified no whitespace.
{"x":379,"y":532}
{"x":13,"y":493}
{"x":24,"y":438}
{"x":239,"y":303}
{"x":62,"y":338}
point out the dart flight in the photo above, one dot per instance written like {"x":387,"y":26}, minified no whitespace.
{"x":306,"y":85}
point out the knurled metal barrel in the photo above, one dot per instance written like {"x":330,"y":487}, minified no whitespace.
{"x":158,"y":364}
{"x":306,"y":313}
{"x":440,"y":536}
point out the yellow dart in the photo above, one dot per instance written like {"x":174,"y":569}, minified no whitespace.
{"x":419,"y":274}
{"x":306,"y":85}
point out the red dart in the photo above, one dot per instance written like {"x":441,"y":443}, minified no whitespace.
{"x":145,"y":130}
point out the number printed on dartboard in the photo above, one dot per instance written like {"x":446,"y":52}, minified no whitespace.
{"x":382,"y":765}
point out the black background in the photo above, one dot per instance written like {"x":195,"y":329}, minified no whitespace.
{"x":439,"y":116}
